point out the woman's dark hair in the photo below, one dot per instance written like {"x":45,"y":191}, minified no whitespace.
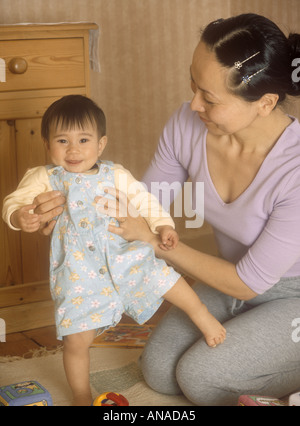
{"x":73,"y":111}
{"x":239,"y":39}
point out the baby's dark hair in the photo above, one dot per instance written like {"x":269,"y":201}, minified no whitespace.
{"x":73,"y":111}
{"x":262,"y":49}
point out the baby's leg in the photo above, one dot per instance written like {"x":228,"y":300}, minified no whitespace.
{"x":184,"y":297}
{"x":77,"y":365}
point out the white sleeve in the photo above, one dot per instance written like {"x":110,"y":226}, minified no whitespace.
{"x":34,"y":182}
{"x":147,"y":204}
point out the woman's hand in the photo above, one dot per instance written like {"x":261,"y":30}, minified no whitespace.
{"x":132,"y":225}
{"x":48,"y":206}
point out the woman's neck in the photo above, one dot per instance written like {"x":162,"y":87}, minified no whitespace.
{"x":263,"y":133}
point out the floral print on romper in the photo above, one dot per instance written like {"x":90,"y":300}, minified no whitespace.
{"x":96,"y":276}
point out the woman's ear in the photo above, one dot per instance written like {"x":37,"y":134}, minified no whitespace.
{"x":267,"y":103}
{"x":102,"y":144}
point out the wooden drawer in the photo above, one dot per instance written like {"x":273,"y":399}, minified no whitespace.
{"x":51,"y":63}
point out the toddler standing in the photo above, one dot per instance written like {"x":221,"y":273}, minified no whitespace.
{"x":96,"y":276}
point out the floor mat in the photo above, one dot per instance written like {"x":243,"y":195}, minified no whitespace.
{"x":124,"y":335}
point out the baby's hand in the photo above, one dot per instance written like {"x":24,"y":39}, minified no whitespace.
{"x":24,"y":220}
{"x":169,"y":237}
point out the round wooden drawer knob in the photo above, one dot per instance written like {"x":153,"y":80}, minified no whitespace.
{"x":17,"y":65}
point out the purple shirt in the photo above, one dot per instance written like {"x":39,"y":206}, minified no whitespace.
{"x":260,"y":230}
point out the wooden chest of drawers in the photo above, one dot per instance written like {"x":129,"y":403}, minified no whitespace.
{"x":42,"y":64}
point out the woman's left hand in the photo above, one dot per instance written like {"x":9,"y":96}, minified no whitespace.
{"x":132,"y":225}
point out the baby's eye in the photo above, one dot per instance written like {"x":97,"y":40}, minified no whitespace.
{"x":62,"y":141}
{"x":83,"y":140}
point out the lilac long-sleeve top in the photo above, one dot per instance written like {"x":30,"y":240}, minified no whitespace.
{"x":259,"y":231}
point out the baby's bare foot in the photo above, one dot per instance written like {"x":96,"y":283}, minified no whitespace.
{"x":213,"y":331}
{"x":215,"y":337}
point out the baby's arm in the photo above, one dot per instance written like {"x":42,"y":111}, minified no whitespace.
{"x":25,"y":219}
{"x":17,"y":206}
{"x":169,"y":237}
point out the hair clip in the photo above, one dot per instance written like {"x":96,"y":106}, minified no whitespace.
{"x":247,"y":78}
{"x":238,"y":65}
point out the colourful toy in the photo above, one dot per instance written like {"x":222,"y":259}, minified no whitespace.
{"x":259,"y":401}
{"x":109,"y":399}
{"x":28,"y":393}
{"x":294,"y":400}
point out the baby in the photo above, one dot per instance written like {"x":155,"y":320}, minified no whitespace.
{"x":96,"y":276}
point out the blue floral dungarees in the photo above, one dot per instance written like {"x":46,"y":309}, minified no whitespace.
{"x":96,"y":276}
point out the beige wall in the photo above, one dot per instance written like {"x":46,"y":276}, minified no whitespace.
{"x":145,"y":52}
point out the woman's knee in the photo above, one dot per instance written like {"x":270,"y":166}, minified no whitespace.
{"x":170,"y":339}
{"x":191,"y":379}
{"x":203,"y":379}
{"x":158,"y":372}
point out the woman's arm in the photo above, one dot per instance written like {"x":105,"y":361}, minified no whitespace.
{"x":211,"y":270}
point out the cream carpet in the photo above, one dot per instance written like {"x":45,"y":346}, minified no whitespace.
{"x":112,"y":370}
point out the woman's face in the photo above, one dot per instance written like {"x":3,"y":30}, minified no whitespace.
{"x":221,"y":111}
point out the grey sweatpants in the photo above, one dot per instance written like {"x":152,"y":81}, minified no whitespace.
{"x":260,"y":355}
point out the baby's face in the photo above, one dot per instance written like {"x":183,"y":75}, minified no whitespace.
{"x":76,"y":149}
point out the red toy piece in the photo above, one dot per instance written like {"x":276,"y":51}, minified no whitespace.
{"x":110,"y":399}
{"x":263,"y":401}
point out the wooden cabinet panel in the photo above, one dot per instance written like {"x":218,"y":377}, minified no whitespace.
{"x":32,"y":103}
{"x":57,"y":58}
{"x":24,"y":257}
{"x":51,"y":63}
{"x":28,"y":316}
{"x":10,"y":254}
{"x":30,"y":152}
